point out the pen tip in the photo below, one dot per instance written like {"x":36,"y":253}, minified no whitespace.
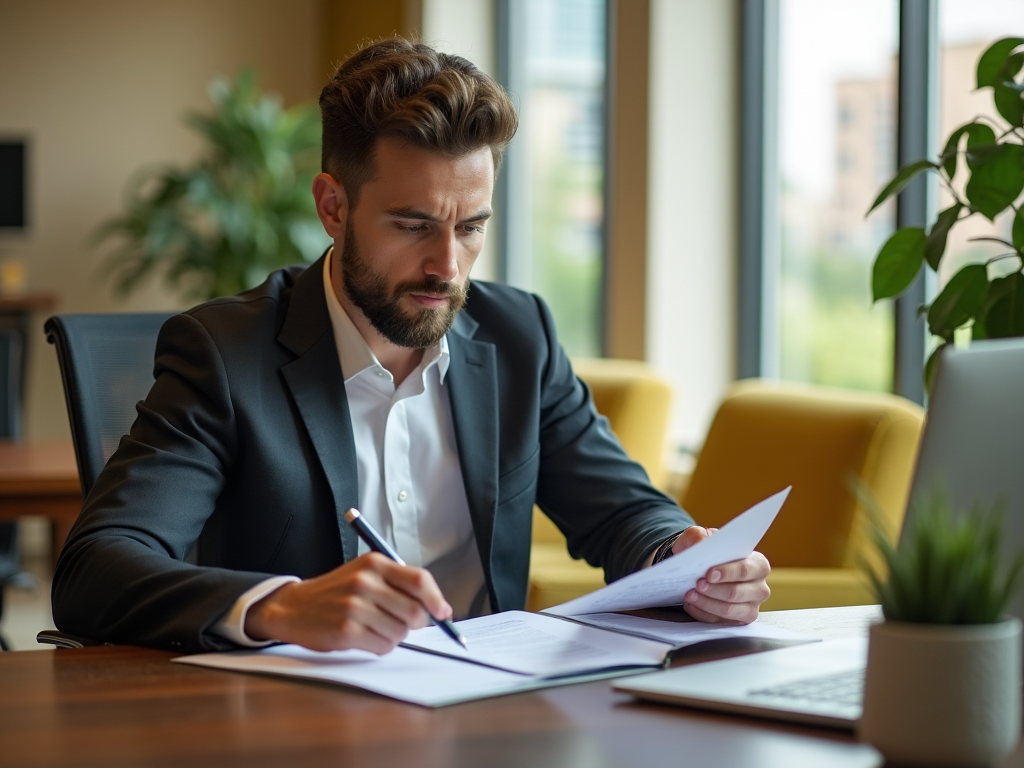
{"x":463,"y":641}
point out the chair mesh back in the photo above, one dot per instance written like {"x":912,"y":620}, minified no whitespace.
{"x":10,"y":385}
{"x":10,"y":429}
{"x":106,"y":362}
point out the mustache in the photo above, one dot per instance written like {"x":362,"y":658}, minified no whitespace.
{"x":431,"y":285}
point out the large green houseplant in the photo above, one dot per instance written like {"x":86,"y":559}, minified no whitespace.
{"x":991,"y":303}
{"x":943,"y":683}
{"x":242,"y":209}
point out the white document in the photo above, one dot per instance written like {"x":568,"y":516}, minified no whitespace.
{"x":530,"y":643}
{"x":669,"y":580}
{"x":683,"y":633}
{"x":517,"y":651}
{"x":419,"y":678}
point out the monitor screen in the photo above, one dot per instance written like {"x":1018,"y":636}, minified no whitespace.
{"x":12,"y":184}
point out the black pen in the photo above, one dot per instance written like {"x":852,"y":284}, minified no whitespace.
{"x":377,"y":544}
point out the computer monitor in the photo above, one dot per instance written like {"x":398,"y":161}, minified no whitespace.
{"x":13,"y":183}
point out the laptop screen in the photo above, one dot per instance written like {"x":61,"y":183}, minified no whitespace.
{"x":973,"y":442}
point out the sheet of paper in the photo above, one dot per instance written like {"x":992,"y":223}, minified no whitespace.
{"x":544,"y":646}
{"x":669,"y":580}
{"x":681,"y":633}
{"x":420,"y":678}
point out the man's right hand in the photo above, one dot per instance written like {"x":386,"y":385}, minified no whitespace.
{"x":370,"y":603}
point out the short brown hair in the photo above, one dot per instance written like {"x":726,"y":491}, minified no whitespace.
{"x":396,"y":88}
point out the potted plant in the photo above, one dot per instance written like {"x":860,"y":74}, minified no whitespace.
{"x":988,"y":299}
{"x":943,"y":684}
{"x":243,"y":209}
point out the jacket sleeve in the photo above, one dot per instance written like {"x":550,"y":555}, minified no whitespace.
{"x":122,"y":575}
{"x":598,"y":497}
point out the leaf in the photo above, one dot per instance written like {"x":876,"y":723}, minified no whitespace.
{"x":997,"y":177}
{"x":1004,"y":312}
{"x":977,"y":133}
{"x":1018,"y":229}
{"x":959,"y":301}
{"x":930,"y":366}
{"x":898,"y":263}
{"x":981,"y":142}
{"x":1010,"y":103}
{"x":900,"y":180}
{"x":996,"y":64}
{"x":936,"y":244}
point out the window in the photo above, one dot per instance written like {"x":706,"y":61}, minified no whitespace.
{"x":805,"y":249}
{"x":836,"y":147}
{"x":556,"y":69}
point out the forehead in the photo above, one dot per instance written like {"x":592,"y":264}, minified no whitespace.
{"x":409,"y":175}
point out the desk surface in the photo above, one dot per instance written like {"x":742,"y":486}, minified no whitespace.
{"x":38,"y":468}
{"x":122,"y":706}
{"x":40,"y":478}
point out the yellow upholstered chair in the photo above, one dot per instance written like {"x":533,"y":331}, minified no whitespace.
{"x":636,"y":402}
{"x":767,"y":436}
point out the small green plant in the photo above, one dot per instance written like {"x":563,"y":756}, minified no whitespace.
{"x":993,"y":307}
{"x":243,"y":209}
{"x":946,"y":568}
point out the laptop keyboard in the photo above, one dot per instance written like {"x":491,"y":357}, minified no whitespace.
{"x":843,"y":688}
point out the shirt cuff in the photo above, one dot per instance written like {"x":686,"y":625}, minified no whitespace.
{"x":232,"y":626}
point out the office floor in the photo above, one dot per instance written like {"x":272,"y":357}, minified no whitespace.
{"x":27,"y":612}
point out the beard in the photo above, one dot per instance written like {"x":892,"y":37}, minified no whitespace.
{"x":369,"y":290}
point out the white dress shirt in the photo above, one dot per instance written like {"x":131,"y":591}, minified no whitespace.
{"x":410,"y":482}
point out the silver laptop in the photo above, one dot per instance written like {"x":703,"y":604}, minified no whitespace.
{"x":973,"y":444}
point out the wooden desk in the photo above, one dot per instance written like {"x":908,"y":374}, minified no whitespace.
{"x":123,"y":706}
{"x":40,"y":478}
{"x":129,"y":707}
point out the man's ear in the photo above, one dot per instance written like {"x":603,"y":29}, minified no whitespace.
{"x":331,"y":205}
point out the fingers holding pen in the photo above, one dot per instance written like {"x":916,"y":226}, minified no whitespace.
{"x":370,"y":603}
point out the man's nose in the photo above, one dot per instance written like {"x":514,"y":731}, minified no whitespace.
{"x":443,"y":261}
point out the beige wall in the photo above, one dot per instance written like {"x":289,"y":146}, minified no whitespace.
{"x":100,"y":87}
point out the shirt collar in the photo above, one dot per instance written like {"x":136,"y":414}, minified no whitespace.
{"x":353,"y":351}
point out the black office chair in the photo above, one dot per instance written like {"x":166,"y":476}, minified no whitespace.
{"x":106,"y":364}
{"x":11,"y":574}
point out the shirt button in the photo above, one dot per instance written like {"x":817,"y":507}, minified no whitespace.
{"x":402,"y":495}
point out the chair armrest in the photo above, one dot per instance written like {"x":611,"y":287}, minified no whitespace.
{"x":64,"y":640}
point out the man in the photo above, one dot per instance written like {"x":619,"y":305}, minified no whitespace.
{"x":378,"y":378}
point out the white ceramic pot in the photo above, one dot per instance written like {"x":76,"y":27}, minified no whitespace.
{"x":943,"y":695}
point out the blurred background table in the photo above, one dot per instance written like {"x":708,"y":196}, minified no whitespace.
{"x":40,"y":478}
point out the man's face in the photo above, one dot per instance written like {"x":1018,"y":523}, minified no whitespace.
{"x":412,"y":238}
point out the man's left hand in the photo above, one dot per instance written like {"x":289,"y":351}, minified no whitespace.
{"x":730,"y":592}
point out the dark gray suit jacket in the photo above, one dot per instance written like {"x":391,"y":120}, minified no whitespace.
{"x":245,"y":443}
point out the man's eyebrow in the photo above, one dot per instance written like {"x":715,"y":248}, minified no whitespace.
{"x":411,"y":213}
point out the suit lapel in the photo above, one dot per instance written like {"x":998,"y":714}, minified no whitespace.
{"x":473,"y":392}
{"x":317,"y":386}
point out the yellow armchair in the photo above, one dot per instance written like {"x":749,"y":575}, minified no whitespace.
{"x":636,"y":403}
{"x":767,"y":436}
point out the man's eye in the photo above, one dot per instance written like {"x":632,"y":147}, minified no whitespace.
{"x":473,"y":229}
{"x":412,"y":228}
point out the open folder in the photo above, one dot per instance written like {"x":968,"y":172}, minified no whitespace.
{"x":584,"y":639}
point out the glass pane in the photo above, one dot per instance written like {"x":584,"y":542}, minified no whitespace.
{"x":837,"y":148}
{"x":966,"y":29}
{"x":563,"y":107}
